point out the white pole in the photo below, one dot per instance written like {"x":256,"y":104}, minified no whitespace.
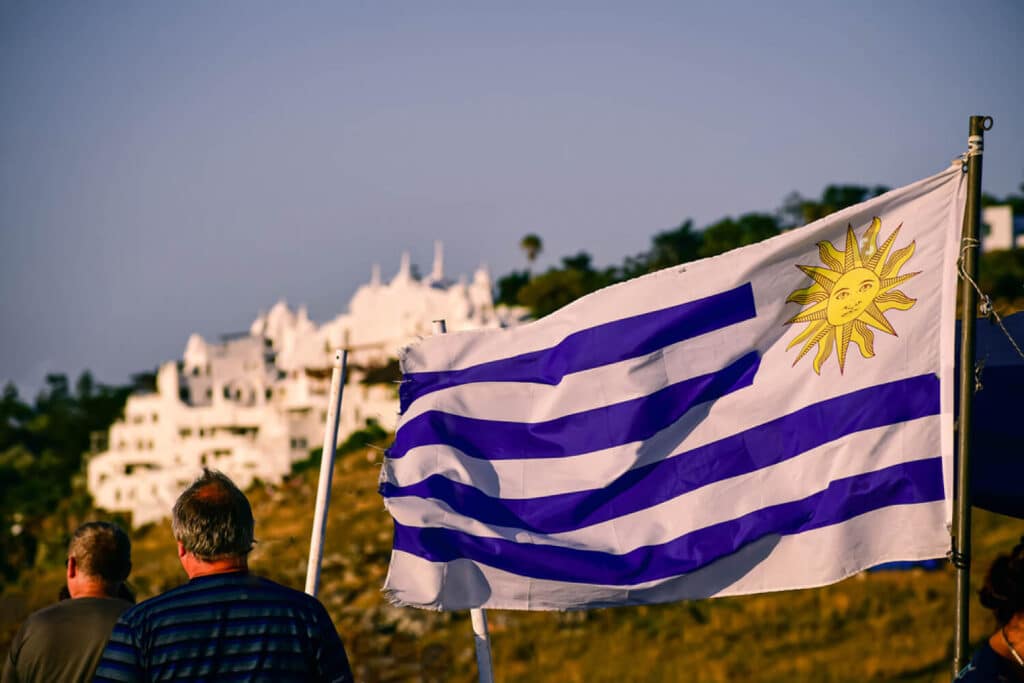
{"x":481,"y":637}
{"x":323,"y":492}
{"x":482,"y":641}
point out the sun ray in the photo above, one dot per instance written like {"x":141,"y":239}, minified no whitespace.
{"x":815,"y":312}
{"x":874,"y":317}
{"x":891,"y":282}
{"x":877,"y":261}
{"x":852,"y":257}
{"x":869,"y":243}
{"x":810,"y":295}
{"x":824,"y":349}
{"x":864,"y":338}
{"x":842,"y":343}
{"x":823,"y":277}
{"x":830,"y":256}
{"x":810,"y":330}
{"x":896,"y":261}
{"x":895,"y":299}
{"x":818,"y":338}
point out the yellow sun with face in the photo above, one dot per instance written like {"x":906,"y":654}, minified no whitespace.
{"x":850,"y":295}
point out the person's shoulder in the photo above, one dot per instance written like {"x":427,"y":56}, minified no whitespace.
{"x":280,"y":589}
{"x":60,"y":611}
{"x":50,"y":611}
{"x":143,"y":609}
{"x":289,"y":595}
{"x":984,"y":666}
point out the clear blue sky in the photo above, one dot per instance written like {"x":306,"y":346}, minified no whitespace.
{"x":175,"y":167}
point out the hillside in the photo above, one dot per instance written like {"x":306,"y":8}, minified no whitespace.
{"x":876,"y":626}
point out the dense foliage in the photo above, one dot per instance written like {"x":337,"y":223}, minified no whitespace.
{"x":1001,"y":273}
{"x":576,"y":276}
{"x":1001,"y":277}
{"x":41,"y":451}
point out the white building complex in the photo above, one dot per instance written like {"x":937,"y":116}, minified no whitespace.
{"x":1001,"y":229}
{"x":254,"y":404}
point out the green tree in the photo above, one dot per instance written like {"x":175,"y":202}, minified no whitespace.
{"x":728,"y":234}
{"x":836,"y":197}
{"x":555,"y":288}
{"x":509,"y":286}
{"x":532,"y":246}
{"x":41,"y":454}
{"x":1001,"y":276}
{"x":670,"y":248}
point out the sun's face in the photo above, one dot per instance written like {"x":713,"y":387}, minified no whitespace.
{"x":850,"y":295}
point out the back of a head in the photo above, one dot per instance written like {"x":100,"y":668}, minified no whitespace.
{"x":1003,"y":592}
{"x":212,"y":518}
{"x":102,"y":551}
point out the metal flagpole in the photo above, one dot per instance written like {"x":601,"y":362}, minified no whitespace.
{"x":481,"y":636}
{"x":968,"y":312}
{"x":323,"y":492}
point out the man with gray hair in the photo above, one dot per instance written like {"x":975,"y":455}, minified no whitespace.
{"x":225,"y":622}
{"x":63,"y":642}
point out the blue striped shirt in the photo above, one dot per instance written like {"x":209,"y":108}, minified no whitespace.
{"x":222,"y":627}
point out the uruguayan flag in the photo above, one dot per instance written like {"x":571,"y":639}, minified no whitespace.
{"x":776,"y":417}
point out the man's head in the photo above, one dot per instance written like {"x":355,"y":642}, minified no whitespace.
{"x":212,"y":519}
{"x":99,"y":559}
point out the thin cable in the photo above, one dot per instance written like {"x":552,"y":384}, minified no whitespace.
{"x":986,"y":303}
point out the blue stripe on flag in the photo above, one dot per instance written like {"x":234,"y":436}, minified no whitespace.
{"x":595,"y":346}
{"x":756,"y":448}
{"x":909,"y":483}
{"x":583,"y":432}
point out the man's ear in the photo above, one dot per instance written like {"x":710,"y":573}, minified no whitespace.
{"x":72,"y":567}
{"x":181,"y":550}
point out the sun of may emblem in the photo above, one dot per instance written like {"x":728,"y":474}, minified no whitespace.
{"x":850,"y":295}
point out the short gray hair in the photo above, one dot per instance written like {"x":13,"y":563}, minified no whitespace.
{"x":102,"y":551}
{"x":212,"y":518}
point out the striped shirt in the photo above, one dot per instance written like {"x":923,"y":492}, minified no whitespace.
{"x":232,"y":626}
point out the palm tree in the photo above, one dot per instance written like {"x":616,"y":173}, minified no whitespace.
{"x":532,"y":246}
